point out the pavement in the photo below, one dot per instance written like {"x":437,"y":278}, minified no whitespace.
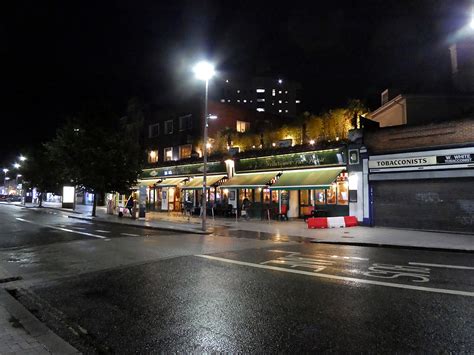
{"x":361,"y":235}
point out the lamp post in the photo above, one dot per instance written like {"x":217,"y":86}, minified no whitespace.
{"x":204,"y":71}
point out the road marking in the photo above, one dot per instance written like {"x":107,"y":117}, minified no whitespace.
{"x":389,"y":271}
{"x":130,"y":234}
{"x":342,"y":278}
{"x":102,"y":231}
{"x":444,"y":266}
{"x":62,"y":229}
{"x":80,"y":228}
{"x":319,"y":255}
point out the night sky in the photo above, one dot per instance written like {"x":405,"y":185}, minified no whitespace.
{"x":58,"y":55}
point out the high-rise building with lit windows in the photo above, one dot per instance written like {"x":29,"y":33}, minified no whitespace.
{"x":273,"y":95}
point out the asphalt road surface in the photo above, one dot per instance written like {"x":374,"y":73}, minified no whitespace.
{"x":234,"y":293}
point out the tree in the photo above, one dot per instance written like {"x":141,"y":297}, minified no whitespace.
{"x":98,"y":152}
{"x":41,"y":172}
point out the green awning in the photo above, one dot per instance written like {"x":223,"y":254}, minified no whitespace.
{"x":196,"y":182}
{"x":146,"y":182}
{"x":171,"y":182}
{"x":307,"y":179}
{"x":250,"y":181}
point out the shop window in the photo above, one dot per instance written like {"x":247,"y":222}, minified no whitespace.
{"x":304,"y":198}
{"x":266,"y":196}
{"x":331,"y":195}
{"x":342,"y":193}
{"x":185,"y":151}
{"x":168,"y":154}
{"x":169,"y":127}
{"x":242,"y":126}
{"x":153,"y":130}
{"x":153,"y":156}
{"x":320,"y":197}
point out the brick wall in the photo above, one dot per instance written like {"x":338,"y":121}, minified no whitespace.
{"x":402,"y":138}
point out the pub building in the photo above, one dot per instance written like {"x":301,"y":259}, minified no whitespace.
{"x":291,"y":184}
{"x":430,"y":189}
{"x":168,"y":188}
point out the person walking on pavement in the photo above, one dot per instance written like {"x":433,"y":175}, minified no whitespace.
{"x":245,"y":208}
{"x":129,"y":204}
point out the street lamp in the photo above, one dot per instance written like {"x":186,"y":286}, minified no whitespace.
{"x":22,"y":158}
{"x":204,"y":71}
{"x":16,"y":166}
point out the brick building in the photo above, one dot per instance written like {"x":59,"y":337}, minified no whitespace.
{"x":420,"y":177}
{"x":175,"y":133}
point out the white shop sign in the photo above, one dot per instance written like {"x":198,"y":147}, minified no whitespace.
{"x":402,"y":162}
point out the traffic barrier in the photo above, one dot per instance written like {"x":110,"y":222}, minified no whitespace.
{"x":317,"y":222}
{"x":332,"y":222}
{"x":351,"y":221}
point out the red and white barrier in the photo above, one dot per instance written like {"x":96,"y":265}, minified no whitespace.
{"x":332,"y":222}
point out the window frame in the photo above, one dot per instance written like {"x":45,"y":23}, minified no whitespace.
{"x":165,"y":156}
{"x":150,"y":128}
{"x":166,"y":126}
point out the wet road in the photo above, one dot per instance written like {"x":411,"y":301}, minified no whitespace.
{"x":250,"y":295}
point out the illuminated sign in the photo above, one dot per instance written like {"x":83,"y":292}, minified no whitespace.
{"x":68,"y":194}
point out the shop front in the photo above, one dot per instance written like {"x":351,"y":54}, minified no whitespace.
{"x":429,"y":190}
{"x":254,"y":188}
{"x":323,"y":190}
{"x":192,"y":193}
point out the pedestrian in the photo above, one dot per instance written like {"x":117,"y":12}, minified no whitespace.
{"x":129,"y":204}
{"x":245,"y":208}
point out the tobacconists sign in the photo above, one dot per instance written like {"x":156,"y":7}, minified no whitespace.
{"x":420,"y":162}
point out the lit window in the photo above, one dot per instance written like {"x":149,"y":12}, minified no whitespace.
{"x":222,"y":100}
{"x":297,"y":101}
{"x":279,"y":92}
{"x":273,"y":92}
{"x":280,"y":81}
{"x":260,"y":100}
{"x":273,"y":104}
{"x":342,"y":193}
{"x":279,"y":101}
{"x":286,"y":102}
{"x":153,"y":156}
{"x":260,"y":90}
{"x":245,"y":100}
{"x":227,"y":80}
{"x":169,"y":127}
{"x":242,"y":126}
{"x":168,"y":154}
{"x":185,"y":151}
{"x":286,"y":92}
{"x":238,"y":100}
{"x":153,"y":130}
{"x":238,"y":91}
{"x":286,"y":111}
{"x":260,"y":109}
{"x":228,"y":100}
{"x":279,"y":111}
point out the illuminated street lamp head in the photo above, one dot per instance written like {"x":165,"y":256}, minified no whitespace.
{"x":5,"y":170}
{"x":22,"y":158}
{"x":204,"y":70}
{"x":16,"y":165}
